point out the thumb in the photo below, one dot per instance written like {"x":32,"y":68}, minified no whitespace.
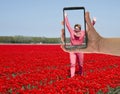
{"x":63,"y":36}
{"x":88,"y":20}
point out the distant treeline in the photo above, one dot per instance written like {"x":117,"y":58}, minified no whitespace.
{"x":26,"y":39}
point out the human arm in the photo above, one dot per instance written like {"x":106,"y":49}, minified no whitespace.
{"x":69,"y":26}
{"x":110,"y":46}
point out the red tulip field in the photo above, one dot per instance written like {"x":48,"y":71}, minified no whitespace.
{"x":45,"y":69}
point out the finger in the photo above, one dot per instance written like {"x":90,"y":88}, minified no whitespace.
{"x":62,"y":22}
{"x":88,"y":21}
{"x":63,"y":47}
{"x":63,"y":36}
{"x":86,"y":50}
{"x":94,"y":18}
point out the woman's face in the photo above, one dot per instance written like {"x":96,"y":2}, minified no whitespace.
{"x":77,"y":29}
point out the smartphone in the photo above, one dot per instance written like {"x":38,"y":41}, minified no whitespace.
{"x":75,"y":27}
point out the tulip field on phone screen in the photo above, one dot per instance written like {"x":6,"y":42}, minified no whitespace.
{"x":45,"y":69}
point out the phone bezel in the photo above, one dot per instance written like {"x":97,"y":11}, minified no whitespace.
{"x":86,"y":39}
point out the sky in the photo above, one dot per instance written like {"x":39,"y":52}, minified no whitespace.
{"x":42,"y":18}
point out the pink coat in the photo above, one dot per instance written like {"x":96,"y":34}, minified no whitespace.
{"x":73,"y":38}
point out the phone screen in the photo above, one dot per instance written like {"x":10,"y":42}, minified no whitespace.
{"x":75,"y":27}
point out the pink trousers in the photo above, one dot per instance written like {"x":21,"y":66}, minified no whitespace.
{"x":73,"y":58}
